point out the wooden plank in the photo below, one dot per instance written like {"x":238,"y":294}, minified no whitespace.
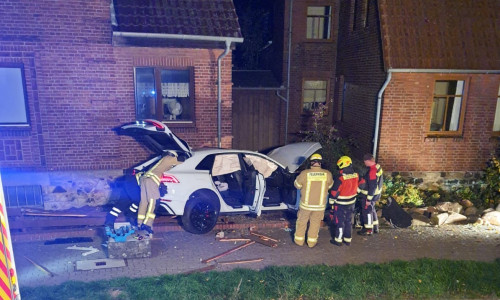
{"x":233,"y":240}
{"x":243,"y":261}
{"x":227,"y":252}
{"x":261,"y":241}
{"x":264,"y":237}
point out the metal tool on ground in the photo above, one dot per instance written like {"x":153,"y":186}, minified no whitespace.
{"x":201,"y":270}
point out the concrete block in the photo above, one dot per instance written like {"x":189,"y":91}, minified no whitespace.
{"x":131,"y":248}
{"x":85,"y":265}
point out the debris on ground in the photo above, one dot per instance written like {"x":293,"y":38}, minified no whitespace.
{"x":90,"y":250}
{"x":40,"y":267}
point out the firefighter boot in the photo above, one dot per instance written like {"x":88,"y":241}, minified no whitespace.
{"x":375,"y":229}
{"x":365,"y":232}
{"x":336,"y":243}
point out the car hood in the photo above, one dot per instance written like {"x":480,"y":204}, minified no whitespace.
{"x":156,"y":135}
{"x":293,"y":156}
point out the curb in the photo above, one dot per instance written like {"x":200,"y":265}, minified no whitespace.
{"x":98,"y":231}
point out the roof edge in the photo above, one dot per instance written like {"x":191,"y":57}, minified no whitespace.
{"x":398,"y":70}
{"x":178,"y":36}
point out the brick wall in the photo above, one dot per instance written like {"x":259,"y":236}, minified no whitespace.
{"x":80,"y":87}
{"x":404,"y":143}
{"x":360,"y":68}
{"x":310,"y":59}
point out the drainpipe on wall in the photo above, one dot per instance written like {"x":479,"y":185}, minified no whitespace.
{"x":288,"y":70}
{"x":219,"y":94}
{"x":377,"y":117}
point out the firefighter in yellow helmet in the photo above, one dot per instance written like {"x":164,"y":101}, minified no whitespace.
{"x":342,"y":199}
{"x":150,"y":191}
{"x":313,"y":184}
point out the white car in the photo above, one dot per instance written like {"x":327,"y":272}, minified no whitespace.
{"x":212,"y":181}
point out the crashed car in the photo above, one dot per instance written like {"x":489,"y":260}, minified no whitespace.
{"x":213,"y":181}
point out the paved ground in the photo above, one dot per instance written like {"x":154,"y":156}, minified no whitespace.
{"x":178,"y":252}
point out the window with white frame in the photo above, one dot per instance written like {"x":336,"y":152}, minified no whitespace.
{"x":164,"y":94}
{"x":496,"y":123}
{"x":314,"y":92}
{"x":448,"y":106}
{"x":319,"y":22}
{"x":13,"y":107}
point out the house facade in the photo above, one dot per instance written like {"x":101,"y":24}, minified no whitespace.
{"x":72,"y":71}
{"x":421,"y":83}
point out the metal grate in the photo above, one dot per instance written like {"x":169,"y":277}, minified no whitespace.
{"x":23,"y":195}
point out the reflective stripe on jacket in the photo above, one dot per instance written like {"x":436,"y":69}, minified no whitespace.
{"x":374,"y":181}
{"x":345,"y":187}
{"x":314,"y":184}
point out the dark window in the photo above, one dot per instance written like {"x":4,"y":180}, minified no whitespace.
{"x":164,"y":94}
{"x":13,"y":106}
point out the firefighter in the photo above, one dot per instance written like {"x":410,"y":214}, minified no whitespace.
{"x":313,"y":184}
{"x":150,"y":191}
{"x":128,"y":207}
{"x":342,"y":199}
{"x":371,"y":187}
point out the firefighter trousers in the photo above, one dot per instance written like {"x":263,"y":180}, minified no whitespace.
{"x":369,"y":213}
{"x":342,"y":222}
{"x":314,"y":219}
{"x":150,"y":195}
{"x":127,"y":207}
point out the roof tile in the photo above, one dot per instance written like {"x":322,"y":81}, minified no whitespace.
{"x":441,"y":34}
{"x":190,"y":17}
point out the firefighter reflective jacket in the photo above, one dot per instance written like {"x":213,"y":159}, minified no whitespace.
{"x":314,"y":184}
{"x":345,"y":187}
{"x":374,"y":181}
{"x":163,"y":165}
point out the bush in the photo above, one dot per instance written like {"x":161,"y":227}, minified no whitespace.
{"x":405,"y":194}
{"x":333,"y":144}
{"x":491,"y":179}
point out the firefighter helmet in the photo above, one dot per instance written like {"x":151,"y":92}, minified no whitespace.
{"x":344,"y":161}
{"x":316,"y":157}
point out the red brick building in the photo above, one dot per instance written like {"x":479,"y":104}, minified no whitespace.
{"x":72,"y":71}
{"x":421,"y":82}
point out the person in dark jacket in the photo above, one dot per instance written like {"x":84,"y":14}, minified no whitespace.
{"x":342,"y":199}
{"x":371,"y":188}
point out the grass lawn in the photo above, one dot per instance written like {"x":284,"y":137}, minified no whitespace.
{"x":418,"y":279}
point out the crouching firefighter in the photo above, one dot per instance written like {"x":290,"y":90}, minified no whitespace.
{"x":150,"y":191}
{"x":342,"y":199}
{"x":313,"y":184}
{"x":370,"y":190}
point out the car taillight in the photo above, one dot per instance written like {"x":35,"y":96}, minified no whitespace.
{"x":169,"y":179}
{"x":159,"y":126}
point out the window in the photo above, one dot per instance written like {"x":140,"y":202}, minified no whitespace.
{"x":447,"y":106}
{"x":313,"y":93}
{"x":164,"y":94}
{"x":496,"y":124}
{"x":13,"y":108}
{"x":318,"y":22}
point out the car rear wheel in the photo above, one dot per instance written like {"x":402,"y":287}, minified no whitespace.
{"x":200,"y":214}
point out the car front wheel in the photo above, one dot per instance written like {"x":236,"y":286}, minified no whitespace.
{"x":200,"y":215}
